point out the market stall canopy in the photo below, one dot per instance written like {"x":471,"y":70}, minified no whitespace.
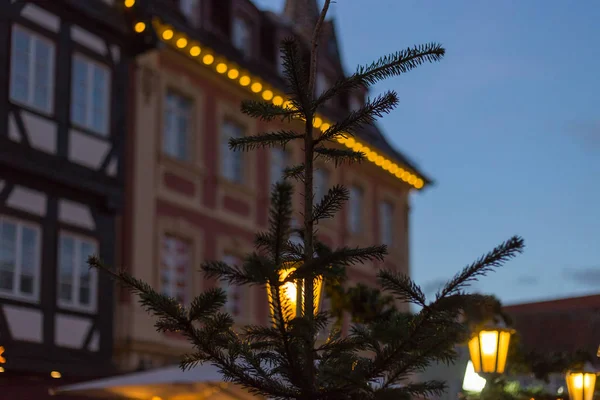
{"x":169,"y":383}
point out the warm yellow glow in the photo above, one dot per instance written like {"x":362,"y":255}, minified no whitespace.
{"x":208,"y":59}
{"x":290,"y":292}
{"x":140,"y":27}
{"x":581,"y":385}
{"x":55,"y":374}
{"x":256,"y":87}
{"x":221,"y":68}
{"x":2,"y":359}
{"x":167,"y":33}
{"x":233,"y":73}
{"x":245,"y":80}
{"x":182,"y":42}
{"x":489,"y":350}
{"x":267,"y":95}
{"x":129,"y":3}
{"x":156,"y":398}
{"x":473,"y":382}
{"x":1,"y":369}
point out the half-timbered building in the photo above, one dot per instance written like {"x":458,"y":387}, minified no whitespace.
{"x":64,"y":82}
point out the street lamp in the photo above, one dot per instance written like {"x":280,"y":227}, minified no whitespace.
{"x":488,"y":349}
{"x":291,"y":294}
{"x":581,"y":383}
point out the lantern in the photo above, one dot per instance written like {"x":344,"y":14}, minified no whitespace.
{"x":291,"y":294}
{"x":489,"y":349}
{"x":581,"y":383}
{"x":2,"y":359}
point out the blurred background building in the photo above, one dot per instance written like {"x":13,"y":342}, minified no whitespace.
{"x":114,"y":122}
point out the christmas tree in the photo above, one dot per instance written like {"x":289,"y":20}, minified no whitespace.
{"x":285,"y":360}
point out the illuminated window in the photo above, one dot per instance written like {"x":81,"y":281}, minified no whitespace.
{"x":321,"y":183}
{"x":386,"y":222}
{"x":19,"y":259}
{"x":356,"y":209}
{"x":90,"y":91}
{"x":231,"y":161}
{"x":242,"y":36}
{"x":279,"y":162}
{"x":191,"y":10}
{"x":77,"y":282}
{"x":176,"y":257}
{"x":32,"y":70}
{"x":177,"y":126}
{"x":233,"y":305}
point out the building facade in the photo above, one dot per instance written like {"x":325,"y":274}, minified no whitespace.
{"x":63,"y":87}
{"x":190,"y":199}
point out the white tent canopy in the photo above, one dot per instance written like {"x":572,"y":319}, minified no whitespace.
{"x":169,"y":383}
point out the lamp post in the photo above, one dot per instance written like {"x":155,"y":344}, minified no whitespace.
{"x":581,"y":383}
{"x":291,"y":295}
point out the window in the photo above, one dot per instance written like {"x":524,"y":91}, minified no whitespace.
{"x":90,"y":93}
{"x":191,"y":10}
{"x":77,"y":282}
{"x":354,"y":103}
{"x":19,"y":260}
{"x":242,"y":38}
{"x":322,"y":84}
{"x":279,"y":161}
{"x":233,"y":291}
{"x":32,"y":70}
{"x":386,"y":222}
{"x":355,"y":212}
{"x":280,"y":65}
{"x":177,"y":126}
{"x":231,"y":161}
{"x":321,"y":182}
{"x":176,"y":256}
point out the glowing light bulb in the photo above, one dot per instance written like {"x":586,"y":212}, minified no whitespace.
{"x":267,"y":95}
{"x":129,"y":3}
{"x":350,"y":142}
{"x":167,"y":34}
{"x":278,"y":100}
{"x":208,"y":59}
{"x":55,"y":374}
{"x":256,"y":87}
{"x":195,"y":51}
{"x":245,"y":80}
{"x":325,"y":126}
{"x":317,"y":122}
{"x":140,"y":27}
{"x":233,"y":73}
{"x":182,"y":42}
{"x":221,"y":68}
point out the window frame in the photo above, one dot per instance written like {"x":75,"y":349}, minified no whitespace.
{"x":91,"y":65}
{"x":321,"y":191}
{"x":187,"y":273}
{"x":227,"y":259}
{"x":75,"y":304}
{"x":386,"y":228}
{"x":242,"y":44}
{"x":14,"y":294}
{"x":352,"y":218}
{"x":34,"y":37}
{"x":280,"y":168}
{"x":224,"y":150}
{"x":188,"y":156}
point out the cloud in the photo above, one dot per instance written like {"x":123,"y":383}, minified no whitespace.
{"x":587,"y":276}
{"x":527,"y":280}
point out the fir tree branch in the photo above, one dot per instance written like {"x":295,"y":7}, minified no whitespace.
{"x":340,"y":156}
{"x":264,"y":140}
{"x":494,"y":259}
{"x":296,"y":75}
{"x":364,"y":116}
{"x":402,"y":286}
{"x":267,"y":111}
{"x":295,"y":172}
{"x":331,"y":203}
{"x":386,"y":67}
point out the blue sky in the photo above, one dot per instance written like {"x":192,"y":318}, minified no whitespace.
{"x":508,"y":125}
